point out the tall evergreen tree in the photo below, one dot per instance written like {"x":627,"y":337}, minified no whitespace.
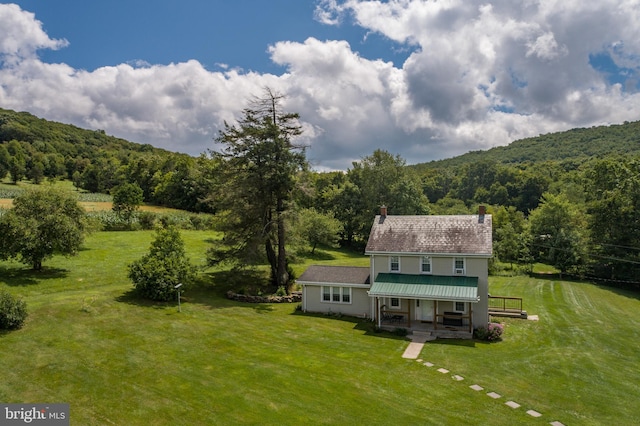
{"x":260,"y":162}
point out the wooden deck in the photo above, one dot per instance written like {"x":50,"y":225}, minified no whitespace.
{"x":503,"y":306}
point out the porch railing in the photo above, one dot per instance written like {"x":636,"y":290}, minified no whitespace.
{"x":505,"y":304}
{"x":395,"y":316}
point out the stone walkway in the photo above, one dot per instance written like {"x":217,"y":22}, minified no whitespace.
{"x":416,"y":346}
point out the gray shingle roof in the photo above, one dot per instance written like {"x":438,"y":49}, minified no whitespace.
{"x":335,"y":275}
{"x":455,"y":234}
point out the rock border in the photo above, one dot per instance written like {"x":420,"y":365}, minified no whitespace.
{"x":294,"y":297}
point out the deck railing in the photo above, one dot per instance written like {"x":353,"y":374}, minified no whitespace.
{"x":505,"y":304}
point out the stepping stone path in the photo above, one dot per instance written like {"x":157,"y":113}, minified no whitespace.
{"x":414,"y":350}
{"x":533,"y":413}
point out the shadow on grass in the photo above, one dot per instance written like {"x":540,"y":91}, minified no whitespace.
{"x":367,"y":326}
{"x":622,"y":288}
{"x":632,"y":292}
{"x":132,"y":298}
{"x":210,"y":298}
{"x":199,"y":293}
{"x":249,"y":281}
{"x":319,"y":255}
{"x":469,"y":343}
{"x":23,"y":277}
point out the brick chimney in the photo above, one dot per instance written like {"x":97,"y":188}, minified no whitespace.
{"x":383,"y":211}
{"x":482,"y":210}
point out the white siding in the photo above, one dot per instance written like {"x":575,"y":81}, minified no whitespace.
{"x":443,"y":265}
{"x":360,"y":303}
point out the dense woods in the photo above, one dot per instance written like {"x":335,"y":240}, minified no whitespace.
{"x":570,"y":199}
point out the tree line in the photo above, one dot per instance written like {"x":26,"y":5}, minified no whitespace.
{"x":577,"y":213}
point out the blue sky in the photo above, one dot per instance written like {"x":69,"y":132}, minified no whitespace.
{"x":420,"y":78}
{"x":235,"y":33}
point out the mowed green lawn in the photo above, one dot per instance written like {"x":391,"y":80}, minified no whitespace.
{"x":119,"y":361}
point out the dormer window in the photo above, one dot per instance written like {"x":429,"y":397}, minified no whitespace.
{"x":425,"y":266}
{"x":394,"y":263}
{"x":459,"y":266}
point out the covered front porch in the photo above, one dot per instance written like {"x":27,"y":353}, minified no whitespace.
{"x":440,"y":305}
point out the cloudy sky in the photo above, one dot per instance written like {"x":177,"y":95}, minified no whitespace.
{"x":423,"y":79}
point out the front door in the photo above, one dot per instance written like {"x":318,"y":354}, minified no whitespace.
{"x":424,"y":310}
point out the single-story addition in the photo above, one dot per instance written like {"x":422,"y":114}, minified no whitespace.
{"x":429,"y":273}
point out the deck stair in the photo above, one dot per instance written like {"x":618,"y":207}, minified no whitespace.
{"x":422,"y":336}
{"x":451,"y":334}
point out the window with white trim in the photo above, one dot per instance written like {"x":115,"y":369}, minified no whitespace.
{"x":394,"y":303}
{"x":335,"y":294}
{"x":394,"y":263}
{"x":326,"y":294}
{"x":425,"y":266}
{"x":459,"y":307}
{"x":459,"y":266}
{"x":332,"y":294}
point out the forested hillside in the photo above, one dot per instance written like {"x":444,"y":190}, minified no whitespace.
{"x":64,"y":139}
{"x":575,"y":144}
{"x":36,"y":149}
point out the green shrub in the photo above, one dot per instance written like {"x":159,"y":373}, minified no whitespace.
{"x":201,"y":222}
{"x":13,"y":311}
{"x":147,"y":220}
{"x":281,"y":291}
{"x":399,"y":331}
{"x":492,"y":332}
{"x":156,"y":275}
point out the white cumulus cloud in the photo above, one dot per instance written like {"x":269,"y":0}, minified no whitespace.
{"x":482,"y":73}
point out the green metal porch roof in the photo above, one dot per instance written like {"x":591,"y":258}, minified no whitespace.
{"x":427,"y":287}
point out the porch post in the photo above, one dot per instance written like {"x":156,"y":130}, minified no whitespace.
{"x":408,"y":314}
{"x":470,"y":317}
{"x":435,"y":314}
{"x":378,"y":315}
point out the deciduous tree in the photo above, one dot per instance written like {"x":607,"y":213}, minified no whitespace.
{"x":42,"y":223}
{"x":381,"y":179}
{"x":318,"y":228}
{"x":557,"y":229}
{"x":127,"y":199}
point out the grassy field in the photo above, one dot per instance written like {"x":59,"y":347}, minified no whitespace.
{"x":91,"y":202}
{"x":116,"y":360}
